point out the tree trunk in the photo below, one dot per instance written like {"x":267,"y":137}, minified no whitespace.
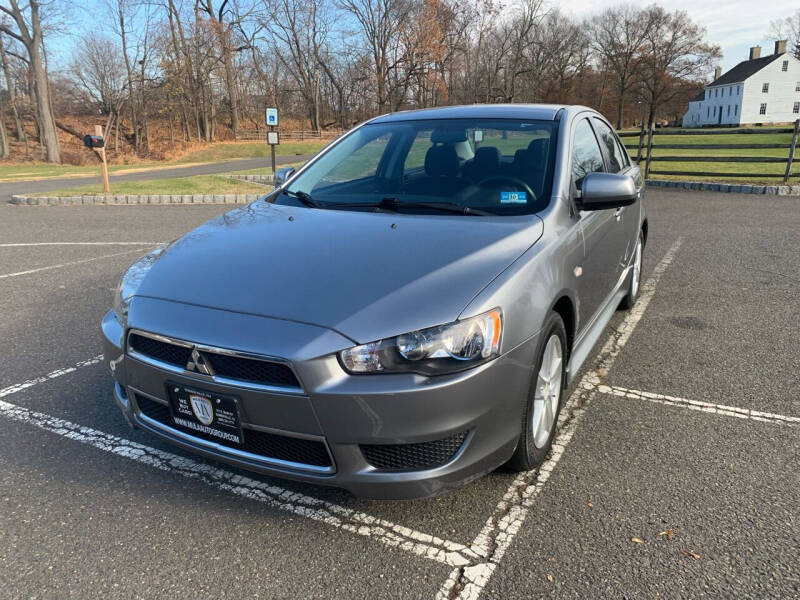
{"x":3,"y":140}
{"x":31,"y":37}
{"x":12,"y":94}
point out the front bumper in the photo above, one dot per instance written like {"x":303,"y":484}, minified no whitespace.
{"x":347,"y":415}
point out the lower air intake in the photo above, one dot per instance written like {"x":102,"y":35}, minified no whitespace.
{"x":413,"y":457}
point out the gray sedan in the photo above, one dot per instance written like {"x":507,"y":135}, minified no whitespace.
{"x":402,"y":314}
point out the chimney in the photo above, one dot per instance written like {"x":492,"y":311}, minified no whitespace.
{"x":780,"y":46}
{"x":755,"y":52}
{"x":717,"y":73}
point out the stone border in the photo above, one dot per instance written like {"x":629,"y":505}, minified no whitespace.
{"x":258,"y":179}
{"x":135,"y":199}
{"x":727,"y":188}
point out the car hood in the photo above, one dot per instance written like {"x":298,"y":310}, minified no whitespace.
{"x":366,"y":275}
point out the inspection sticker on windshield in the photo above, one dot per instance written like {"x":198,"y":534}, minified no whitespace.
{"x":513,"y":197}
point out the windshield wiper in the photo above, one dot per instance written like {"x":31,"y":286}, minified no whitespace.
{"x":304,"y":197}
{"x":393,"y":205}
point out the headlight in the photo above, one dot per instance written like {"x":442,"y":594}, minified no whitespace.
{"x":434,"y":351}
{"x":133,"y":279}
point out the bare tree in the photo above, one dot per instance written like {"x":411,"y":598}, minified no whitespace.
{"x":788,"y":28}
{"x":29,"y":32}
{"x":618,"y":36}
{"x":381,"y":22}
{"x":675,"y":50}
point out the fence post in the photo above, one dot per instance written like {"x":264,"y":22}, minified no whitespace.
{"x":649,"y":151}
{"x":791,"y":152}
{"x":641,"y":142}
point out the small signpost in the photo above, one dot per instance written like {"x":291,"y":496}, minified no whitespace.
{"x":97,"y":143}
{"x":273,"y":139}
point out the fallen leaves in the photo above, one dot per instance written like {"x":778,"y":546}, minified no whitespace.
{"x":669,"y":534}
{"x":694,"y":555}
{"x":636,"y":540}
{"x":590,"y":504}
{"x":550,"y":578}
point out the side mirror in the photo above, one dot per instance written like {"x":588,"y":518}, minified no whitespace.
{"x":282,"y":175}
{"x":607,"y":190}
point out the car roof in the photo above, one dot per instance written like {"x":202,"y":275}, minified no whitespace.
{"x":546,"y":112}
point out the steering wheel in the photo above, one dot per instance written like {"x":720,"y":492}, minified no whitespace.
{"x":508,"y":178}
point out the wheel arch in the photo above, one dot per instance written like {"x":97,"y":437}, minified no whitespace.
{"x":564,"y":306}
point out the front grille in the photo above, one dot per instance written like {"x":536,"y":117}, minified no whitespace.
{"x":412,"y":457}
{"x":163,"y":351}
{"x":268,"y":445}
{"x":251,"y":370}
{"x":257,"y":371}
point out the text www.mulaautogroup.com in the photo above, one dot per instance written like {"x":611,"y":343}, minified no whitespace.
{"x":228,"y":437}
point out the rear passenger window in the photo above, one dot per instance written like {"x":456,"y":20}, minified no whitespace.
{"x":586,"y":155}
{"x":616,"y":159}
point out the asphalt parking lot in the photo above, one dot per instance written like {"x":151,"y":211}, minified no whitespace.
{"x":675,"y":473}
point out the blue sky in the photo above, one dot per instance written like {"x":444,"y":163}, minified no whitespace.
{"x":733,"y":24}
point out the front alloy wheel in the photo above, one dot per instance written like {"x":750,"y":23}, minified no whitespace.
{"x":540,"y":416}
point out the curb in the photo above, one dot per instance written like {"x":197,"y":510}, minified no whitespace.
{"x":134,"y":199}
{"x":727,"y":188}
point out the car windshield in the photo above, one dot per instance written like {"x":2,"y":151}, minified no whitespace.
{"x":474,"y":166}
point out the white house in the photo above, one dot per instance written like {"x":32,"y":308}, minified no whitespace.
{"x":762,"y":89}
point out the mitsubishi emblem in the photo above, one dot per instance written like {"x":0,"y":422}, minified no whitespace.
{"x":199,"y":364}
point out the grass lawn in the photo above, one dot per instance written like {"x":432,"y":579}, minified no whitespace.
{"x":201,"y":184}
{"x":213,"y":153}
{"x":232,"y":150}
{"x":266,"y":170}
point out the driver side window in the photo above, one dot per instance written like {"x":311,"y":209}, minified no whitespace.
{"x":586,"y":155}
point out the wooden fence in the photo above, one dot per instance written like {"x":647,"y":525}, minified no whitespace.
{"x":644,"y":151}
{"x":289,"y":135}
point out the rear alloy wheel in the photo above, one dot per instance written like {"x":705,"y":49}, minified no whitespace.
{"x":544,"y":400}
{"x":635,"y":281}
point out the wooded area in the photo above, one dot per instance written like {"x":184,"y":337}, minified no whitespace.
{"x":204,"y":70}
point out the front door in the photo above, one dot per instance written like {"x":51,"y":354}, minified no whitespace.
{"x":598,"y":273}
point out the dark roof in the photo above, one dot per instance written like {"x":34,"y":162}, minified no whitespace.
{"x":744,"y":69}
{"x":480,"y":111}
{"x":701,"y":95}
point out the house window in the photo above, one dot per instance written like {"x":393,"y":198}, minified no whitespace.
{"x":708,"y":111}
{"x":730,"y":91}
{"x":763,"y":109}
{"x":729,"y":110}
{"x":796,"y":108}
{"x":785,"y":66}
{"x":797,"y":87}
{"x":735,"y":110}
{"x":738,"y":89}
{"x":765,"y":88}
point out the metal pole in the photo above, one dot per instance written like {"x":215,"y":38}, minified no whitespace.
{"x":791,"y":152}
{"x":98,"y":130}
{"x":272,"y":152}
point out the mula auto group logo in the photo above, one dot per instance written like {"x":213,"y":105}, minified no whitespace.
{"x":202,"y":409}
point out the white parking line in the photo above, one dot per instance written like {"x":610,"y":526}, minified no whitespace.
{"x":706,"y":407}
{"x":502,"y":526}
{"x":13,"y":389}
{"x":74,"y":262}
{"x":397,"y":536}
{"x":25,"y":244}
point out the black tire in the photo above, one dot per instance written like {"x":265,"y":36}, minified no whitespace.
{"x":635,"y":278}
{"x":527,"y":454}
